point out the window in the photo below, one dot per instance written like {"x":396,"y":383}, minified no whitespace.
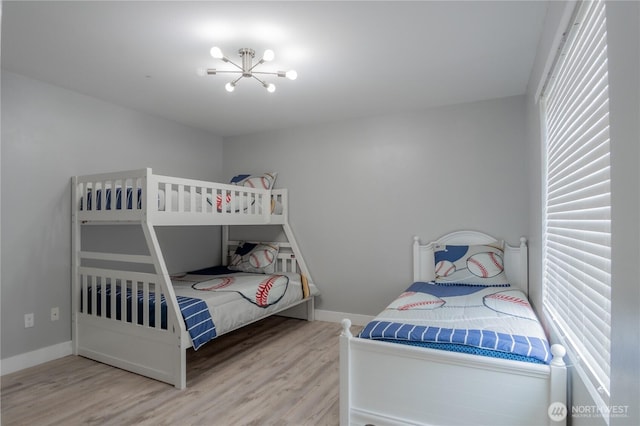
{"x":576,"y":221}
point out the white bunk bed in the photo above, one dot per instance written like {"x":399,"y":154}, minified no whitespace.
{"x":387,"y":383}
{"x":155,"y":345}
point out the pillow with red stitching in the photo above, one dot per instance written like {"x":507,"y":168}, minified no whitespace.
{"x":257,"y":258}
{"x":263,"y":181}
{"x":472,"y":265}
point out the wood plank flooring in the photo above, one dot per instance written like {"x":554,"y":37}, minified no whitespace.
{"x":278,"y":371}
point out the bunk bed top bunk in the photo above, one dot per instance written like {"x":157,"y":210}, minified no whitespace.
{"x":137,"y":195}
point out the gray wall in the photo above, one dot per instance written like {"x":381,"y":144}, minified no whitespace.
{"x":361,"y":189}
{"x":48,"y":135}
{"x":623,"y":38}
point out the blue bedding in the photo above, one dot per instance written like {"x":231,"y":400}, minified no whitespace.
{"x":490,"y":321}
{"x":194,"y":311}
{"x":118,"y":204}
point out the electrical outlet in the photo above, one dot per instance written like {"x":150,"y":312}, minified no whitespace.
{"x":29,"y":320}
{"x":55,"y":314}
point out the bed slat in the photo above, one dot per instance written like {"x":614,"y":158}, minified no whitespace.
{"x":93,"y":279}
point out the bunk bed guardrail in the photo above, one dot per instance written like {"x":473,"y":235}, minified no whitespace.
{"x":165,"y":200}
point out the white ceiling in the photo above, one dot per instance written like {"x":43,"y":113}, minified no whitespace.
{"x":353,"y":59}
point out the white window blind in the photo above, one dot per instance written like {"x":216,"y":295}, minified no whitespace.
{"x":577,"y":224}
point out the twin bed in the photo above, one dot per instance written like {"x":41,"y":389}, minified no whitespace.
{"x":129,"y":312}
{"x":462,"y":345}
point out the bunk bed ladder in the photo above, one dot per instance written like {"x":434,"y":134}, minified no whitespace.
{"x":306,"y":310}
{"x":173,"y":310}
{"x":296,"y":250}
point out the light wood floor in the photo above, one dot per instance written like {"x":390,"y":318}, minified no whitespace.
{"x":278,"y":371}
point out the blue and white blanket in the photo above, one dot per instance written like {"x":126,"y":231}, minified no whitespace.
{"x":197,"y":320}
{"x":491,"y":321}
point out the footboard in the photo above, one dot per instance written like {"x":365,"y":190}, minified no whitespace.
{"x":119,"y":320}
{"x":392,"y":384}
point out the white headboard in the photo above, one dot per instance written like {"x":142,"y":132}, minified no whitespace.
{"x":515,"y":258}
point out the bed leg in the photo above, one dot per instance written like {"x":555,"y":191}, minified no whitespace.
{"x":558,"y":409}
{"x":311,"y":309}
{"x":345,"y":382}
{"x":181,"y":379}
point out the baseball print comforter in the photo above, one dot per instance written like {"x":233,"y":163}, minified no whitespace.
{"x":239,"y":298}
{"x":482,"y":320}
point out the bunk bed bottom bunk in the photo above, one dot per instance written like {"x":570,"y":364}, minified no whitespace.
{"x":212,"y":302}
{"x":126,"y":319}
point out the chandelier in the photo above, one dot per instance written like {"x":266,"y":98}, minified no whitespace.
{"x":247,"y":70}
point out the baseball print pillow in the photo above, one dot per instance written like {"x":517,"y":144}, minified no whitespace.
{"x":255,"y":258}
{"x":264,"y":181}
{"x":472,"y":265}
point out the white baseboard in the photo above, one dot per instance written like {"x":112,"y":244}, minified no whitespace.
{"x":331,"y":316}
{"x":50,"y":353}
{"x":33,"y":358}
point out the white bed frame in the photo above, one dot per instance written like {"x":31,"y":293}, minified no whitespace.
{"x":150,"y":350}
{"x":384,"y":383}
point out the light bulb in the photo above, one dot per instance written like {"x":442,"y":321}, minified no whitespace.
{"x":271,"y":88}
{"x":268,"y":55}
{"x":291,"y":74}
{"x":216,"y":52}
{"x":230,"y":87}
{"x":201,"y":71}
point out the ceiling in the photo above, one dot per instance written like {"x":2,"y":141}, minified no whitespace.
{"x":353,"y":58}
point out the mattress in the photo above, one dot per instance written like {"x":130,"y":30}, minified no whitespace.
{"x":482,"y":320}
{"x":235,"y":299}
